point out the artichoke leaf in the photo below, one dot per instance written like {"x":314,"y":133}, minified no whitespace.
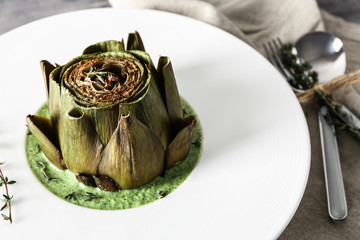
{"x":54,"y":96}
{"x":42,"y":130}
{"x":87,"y":180}
{"x":106,"y":183}
{"x":79,"y":142}
{"x":105,"y":121}
{"x":134,"y":155}
{"x":179,"y":148}
{"x":146,"y":60}
{"x":106,"y":46}
{"x":151,"y":112}
{"x":135,"y":42}
{"x":171,"y":93}
{"x":66,"y":102}
{"x":46,"y":68}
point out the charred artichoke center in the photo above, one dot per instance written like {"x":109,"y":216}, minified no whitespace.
{"x":102,"y":82}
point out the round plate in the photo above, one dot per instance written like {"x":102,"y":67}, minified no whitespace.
{"x":256,"y":157}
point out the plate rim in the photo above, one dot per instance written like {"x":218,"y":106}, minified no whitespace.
{"x":201,"y":22}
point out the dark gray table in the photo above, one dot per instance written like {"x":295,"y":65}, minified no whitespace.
{"x":14,"y":13}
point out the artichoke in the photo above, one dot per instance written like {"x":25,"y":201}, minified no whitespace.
{"x":116,"y":121}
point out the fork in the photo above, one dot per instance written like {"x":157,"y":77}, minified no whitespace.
{"x":337,"y":205}
{"x":272,"y":50}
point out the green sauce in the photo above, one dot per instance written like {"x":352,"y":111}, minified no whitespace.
{"x":64,"y":185}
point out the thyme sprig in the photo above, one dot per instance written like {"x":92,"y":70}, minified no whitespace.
{"x":343,"y":118}
{"x":75,"y":195}
{"x":93,"y":72}
{"x":4,"y":181}
{"x":303,"y":77}
{"x":44,"y":172}
{"x":90,"y":196}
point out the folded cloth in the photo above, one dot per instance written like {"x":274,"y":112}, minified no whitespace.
{"x":349,"y":96}
{"x":200,"y":10}
{"x":349,"y":33}
{"x":253,"y":21}
{"x":257,"y":21}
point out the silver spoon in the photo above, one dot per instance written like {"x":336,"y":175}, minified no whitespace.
{"x":325,"y":52}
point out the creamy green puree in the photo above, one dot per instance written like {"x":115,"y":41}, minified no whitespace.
{"x":63,"y":183}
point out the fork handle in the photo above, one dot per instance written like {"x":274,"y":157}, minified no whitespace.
{"x":333,"y":177}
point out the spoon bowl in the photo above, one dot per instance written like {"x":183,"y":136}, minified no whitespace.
{"x":325,"y":52}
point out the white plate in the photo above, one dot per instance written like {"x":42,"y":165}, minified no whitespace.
{"x":255,"y":163}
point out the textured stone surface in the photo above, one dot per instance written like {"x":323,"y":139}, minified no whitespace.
{"x":16,"y":13}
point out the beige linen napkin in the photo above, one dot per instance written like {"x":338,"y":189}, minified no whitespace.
{"x":256,"y":21}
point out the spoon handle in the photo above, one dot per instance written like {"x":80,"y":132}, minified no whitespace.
{"x":333,"y":177}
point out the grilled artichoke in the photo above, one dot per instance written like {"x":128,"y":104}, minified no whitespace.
{"x":116,"y":121}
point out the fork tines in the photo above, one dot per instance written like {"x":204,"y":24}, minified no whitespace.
{"x":272,"y":49}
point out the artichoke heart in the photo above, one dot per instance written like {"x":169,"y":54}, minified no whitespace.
{"x":114,"y":117}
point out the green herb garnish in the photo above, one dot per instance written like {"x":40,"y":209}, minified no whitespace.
{"x":44,"y":172}
{"x":73,"y":195}
{"x":162,"y":193}
{"x":303,"y":77}
{"x":90,"y":196}
{"x":93,"y":72}
{"x":343,"y":118}
{"x":4,"y":181}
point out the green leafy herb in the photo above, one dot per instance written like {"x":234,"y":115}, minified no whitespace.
{"x":45,"y":175}
{"x":92,"y":72}
{"x":162,"y":193}
{"x":197,"y":143}
{"x":44,"y":172}
{"x":5,"y":204}
{"x":73,"y":196}
{"x":38,"y":149}
{"x":4,"y":181}
{"x":7,"y":218}
{"x":40,"y":164}
{"x":343,"y":118}
{"x":90,"y":196}
{"x":303,"y":77}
